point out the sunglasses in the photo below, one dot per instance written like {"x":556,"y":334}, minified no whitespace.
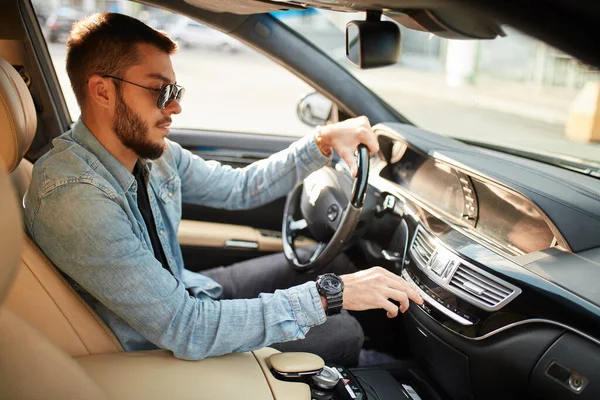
{"x":167,"y":94}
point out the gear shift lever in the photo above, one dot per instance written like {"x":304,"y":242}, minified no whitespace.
{"x":326,"y":382}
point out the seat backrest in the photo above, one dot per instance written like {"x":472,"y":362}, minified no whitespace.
{"x":40,"y":294}
{"x":42,"y":297}
{"x":30,"y":366}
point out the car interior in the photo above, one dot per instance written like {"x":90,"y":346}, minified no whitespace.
{"x":504,"y":249}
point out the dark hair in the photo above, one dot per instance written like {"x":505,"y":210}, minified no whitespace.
{"x":105,"y":44}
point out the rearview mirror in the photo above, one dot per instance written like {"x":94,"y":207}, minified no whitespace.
{"x":314,"y":109}
{"x":372,"y":44}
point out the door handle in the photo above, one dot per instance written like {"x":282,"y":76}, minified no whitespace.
{"x":241,"y":245}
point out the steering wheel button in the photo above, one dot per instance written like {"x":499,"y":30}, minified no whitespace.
{"x":332,"y":212}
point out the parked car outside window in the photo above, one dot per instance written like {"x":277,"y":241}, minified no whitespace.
{"x":189,"y":33}
{"x":59,"y":23}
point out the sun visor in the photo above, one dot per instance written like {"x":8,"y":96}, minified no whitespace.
{"x":244,"y":7}
{"x":449,"y":23}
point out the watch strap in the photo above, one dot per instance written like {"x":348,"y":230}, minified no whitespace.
{"x":334,"y":304}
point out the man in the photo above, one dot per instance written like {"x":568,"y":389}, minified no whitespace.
{"x":105,"y":205}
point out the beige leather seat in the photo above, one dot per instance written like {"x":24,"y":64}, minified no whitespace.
{"x":40,"y":295}
{"x":30,"y":366}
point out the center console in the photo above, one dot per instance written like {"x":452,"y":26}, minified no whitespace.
{"x":362,"y":384}
{"x":339,"y":383}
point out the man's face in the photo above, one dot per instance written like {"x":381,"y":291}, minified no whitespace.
{"x":138,"y":122}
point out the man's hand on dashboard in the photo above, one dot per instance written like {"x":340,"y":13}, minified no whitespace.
{"x":344,"y":137}
{"x":373,"y":288}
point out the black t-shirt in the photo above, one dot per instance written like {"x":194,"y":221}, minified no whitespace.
{"x":144,"y":205}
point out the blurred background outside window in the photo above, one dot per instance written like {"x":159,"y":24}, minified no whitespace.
{"x":513,"y":91}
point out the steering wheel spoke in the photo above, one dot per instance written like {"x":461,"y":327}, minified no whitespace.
{"x":318,"y":250}
{"x":296,"y":227}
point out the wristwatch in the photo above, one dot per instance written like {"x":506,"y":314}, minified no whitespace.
{"x":331,"y":287}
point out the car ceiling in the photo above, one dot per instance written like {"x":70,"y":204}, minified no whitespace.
{"x":437,"y":16}
{"x":571,"y":26}
{"x":259,"y":6}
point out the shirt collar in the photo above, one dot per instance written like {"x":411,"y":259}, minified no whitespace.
{"x":82,"y":135}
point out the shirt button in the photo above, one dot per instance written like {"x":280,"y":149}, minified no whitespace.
{"x":170,"y":194}
{"x":170,"y":260}
{"x":162,"y":232}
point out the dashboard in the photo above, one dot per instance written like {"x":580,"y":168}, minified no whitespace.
{"x":505,"y":279}
{"x":504,"y":217}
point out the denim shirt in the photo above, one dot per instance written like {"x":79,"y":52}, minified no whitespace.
{"x":81,"y":209}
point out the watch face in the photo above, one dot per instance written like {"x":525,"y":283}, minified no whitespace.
{"x":331,"y":285}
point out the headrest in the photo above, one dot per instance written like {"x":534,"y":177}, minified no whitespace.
{"x":11,"y":233}
{"x":18,"y":120}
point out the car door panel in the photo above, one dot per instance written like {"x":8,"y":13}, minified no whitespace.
{"x":209,"y":244}
{"x":210,"y":237}
{"x":268,"y":216}
{"x":212,"y":139}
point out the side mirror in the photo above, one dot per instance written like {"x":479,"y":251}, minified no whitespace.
{"x":314,"y":109}
{"x":372,"y":44}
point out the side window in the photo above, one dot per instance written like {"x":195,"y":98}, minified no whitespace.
{"x":229,"y":86}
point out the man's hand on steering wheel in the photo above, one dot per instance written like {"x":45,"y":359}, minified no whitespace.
{"x":344,"y":137}
{"x":373,"y":288}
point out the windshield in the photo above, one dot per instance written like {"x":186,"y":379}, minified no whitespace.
{"x":513,"y":91}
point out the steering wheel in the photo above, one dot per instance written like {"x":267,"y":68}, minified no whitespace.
{"x":308,"y":194}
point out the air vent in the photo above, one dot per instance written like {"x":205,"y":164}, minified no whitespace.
{"x":423,"y":246}
{"x":487,"y":292}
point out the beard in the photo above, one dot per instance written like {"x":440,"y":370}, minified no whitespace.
{"x":133,"y":131}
